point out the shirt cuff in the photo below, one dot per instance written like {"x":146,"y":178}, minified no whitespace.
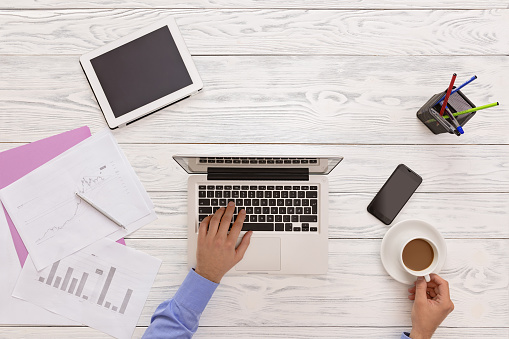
{"x":195,"y":292}
{"x":405,"y":335}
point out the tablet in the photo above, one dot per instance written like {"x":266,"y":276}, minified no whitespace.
{"x":141,"y":73}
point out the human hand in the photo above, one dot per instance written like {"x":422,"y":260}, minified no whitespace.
{"x":216,"y":253}
{"x":431,"y":306}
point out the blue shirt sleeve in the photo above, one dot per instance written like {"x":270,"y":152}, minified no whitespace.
{"x":179,"y":317}
{"x":405,"y":335}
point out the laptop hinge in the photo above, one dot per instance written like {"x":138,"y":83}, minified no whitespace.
{"x":228,"y":173}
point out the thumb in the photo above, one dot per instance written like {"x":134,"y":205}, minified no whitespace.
{"x":241,"y":249}
{"x":420,"y":289}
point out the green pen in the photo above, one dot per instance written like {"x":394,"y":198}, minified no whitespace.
{"x":467,"y":111}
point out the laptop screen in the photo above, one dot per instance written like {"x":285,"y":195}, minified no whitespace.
{"x":200,"y":164}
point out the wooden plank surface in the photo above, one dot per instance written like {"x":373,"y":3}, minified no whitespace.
{"x":329,"y":99}
{"x":246,"y":332}
{"x":281,"y":32}
{"x":317,"y":4}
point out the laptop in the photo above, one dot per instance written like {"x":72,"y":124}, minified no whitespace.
{"x":286,"y":201}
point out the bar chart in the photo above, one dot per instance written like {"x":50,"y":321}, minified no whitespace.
{"x":75,"y":285}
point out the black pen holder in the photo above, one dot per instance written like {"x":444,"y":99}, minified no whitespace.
{"x":457,"y":102}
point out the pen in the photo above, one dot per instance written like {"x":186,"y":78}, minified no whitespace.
{"x":103,"y":212}
{"x":467,"y":111}
{"x":445,"y":124}
{"x":456,"y":124}
{"x":457,"y":89}
{"x":447,"y":94}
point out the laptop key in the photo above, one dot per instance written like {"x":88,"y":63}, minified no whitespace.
{"x":273,"y":210}
{"x":202,"y":187}
{"x":282,"y":210}
{"x":222,"y":202}
{"x":202,"y":194}
{"x":295,"y":218}
{"x":258,"y":210}
{"x":201,"y":217}
{"x":266,"y":210}
{"x":243,"y":194}
{"x":290,"y":210}
{"x":288,"y":227}
{"x":314,"y":188}
{"x":286,"y":218}
{"x":279,"y":218}
{"x":247,"y":202}
{"x":299,"y":210}
{"x":264,"y":202}
{"x":239,"y":202}
{"x":280,"y":226}
{"x":272,"y":202}
{"x":203,"y":202}
{"x":235,"y":194}
{"x":210,"y":187}
{"x":245,"y":188}
{"x":214,"y":202}
{"x":258,"y":226}
{"x":252,"y":218}
{"x":261,"y":218}
{"x":249,"y":210}
{"x":270,"y":218}
{"x":288,"y":202}
{"x":219,"y":194}
{"x":210,"y":194}
{"x":314,"y":229}
{"x":276,"y":194}
{"x":308,"y":218}
{"x":296,"y":229}
{"x":311,"y":194}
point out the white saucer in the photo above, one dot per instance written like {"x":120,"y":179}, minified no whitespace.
{"x":400,"y":233}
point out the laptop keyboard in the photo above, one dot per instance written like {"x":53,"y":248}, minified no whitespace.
{"x":268,"y":208}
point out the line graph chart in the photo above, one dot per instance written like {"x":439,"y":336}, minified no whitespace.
{"x":52,"y":221}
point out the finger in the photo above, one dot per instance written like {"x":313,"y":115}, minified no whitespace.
{"x":411,"y":289}
{"x":237,"y":226}
{"x":432,"y":284}
{"x":411,"y":297}
{"x":442,"y":285}
{"x":420,"y":289}
{"x":431,"y":292}
{"x":244,"y":244}
{"x":226,"y":219}
{"x":214,"y":222}
{"x":202,"y":230}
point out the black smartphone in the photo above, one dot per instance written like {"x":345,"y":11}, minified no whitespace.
{"x":394,"y":194}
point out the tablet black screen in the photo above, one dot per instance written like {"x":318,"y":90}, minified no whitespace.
{"x":141,"y":71}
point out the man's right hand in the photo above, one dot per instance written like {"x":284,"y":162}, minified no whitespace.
{"x":432,"y":304}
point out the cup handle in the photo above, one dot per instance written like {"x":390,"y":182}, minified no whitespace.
{"x":427,"y":278}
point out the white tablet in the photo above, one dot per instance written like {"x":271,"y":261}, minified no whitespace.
{"x":141,"y":73}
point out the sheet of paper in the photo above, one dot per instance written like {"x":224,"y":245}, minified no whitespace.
{"x":14,"y":311}
{"x":53,"y":222}
{"x":19,"y":161}
{"x":103,"y":286}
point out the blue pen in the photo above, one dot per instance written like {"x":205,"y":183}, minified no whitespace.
{"x":457,"y":89}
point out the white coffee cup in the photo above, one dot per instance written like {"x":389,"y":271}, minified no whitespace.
{"x":425,"y":272}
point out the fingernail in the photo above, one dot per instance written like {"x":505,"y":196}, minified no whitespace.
{"x":420,"y":278}
{"x":231,"y":203}
{"x":243,"y":211}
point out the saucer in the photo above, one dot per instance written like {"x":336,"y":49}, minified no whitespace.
{"x":400,"y":233}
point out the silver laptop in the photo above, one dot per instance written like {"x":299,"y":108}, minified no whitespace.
{"x":286,"y":201}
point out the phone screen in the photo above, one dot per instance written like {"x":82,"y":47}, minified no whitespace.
{"x":394,"y":194}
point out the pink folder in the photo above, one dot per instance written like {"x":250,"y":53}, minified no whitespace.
{"x":18,"y":162}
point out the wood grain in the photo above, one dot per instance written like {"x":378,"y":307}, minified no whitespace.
{"x":245,"y":332}
{"x":281,"y":32}
{"x":356,"y":291}
{"x":252,"y":99}
{"x":318,"y":4}
{"x":474,"y":215}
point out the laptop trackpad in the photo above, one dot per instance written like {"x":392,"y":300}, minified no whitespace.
{"x":263,"y":254}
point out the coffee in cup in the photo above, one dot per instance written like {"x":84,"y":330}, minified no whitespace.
{"x":419,"y":257}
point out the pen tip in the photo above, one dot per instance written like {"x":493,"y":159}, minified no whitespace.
{"x":475,"y":76}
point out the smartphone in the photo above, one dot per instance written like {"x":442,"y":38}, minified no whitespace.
{"x":394,"y":194}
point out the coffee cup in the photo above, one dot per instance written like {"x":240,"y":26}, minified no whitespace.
{"x":419,"y":257}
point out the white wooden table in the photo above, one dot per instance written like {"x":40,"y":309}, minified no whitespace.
{"x":300,"y":77}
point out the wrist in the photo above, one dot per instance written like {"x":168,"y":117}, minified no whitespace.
{"x":415,"y":334}
{"x":211,"y":277}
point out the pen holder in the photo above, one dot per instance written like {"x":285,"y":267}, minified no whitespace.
{"x":457,"y":102}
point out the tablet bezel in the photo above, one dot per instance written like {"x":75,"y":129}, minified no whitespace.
{"x":114,"y":122}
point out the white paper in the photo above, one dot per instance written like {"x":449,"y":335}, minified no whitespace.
{"x":15,"y":311}
{"x":53,"y":222}
{"x":103,"y":286}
